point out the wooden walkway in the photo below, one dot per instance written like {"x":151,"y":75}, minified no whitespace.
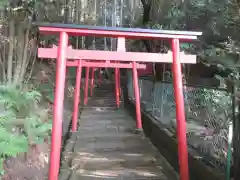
{"x":107,"y":147}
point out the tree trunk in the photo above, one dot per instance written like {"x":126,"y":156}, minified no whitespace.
{"x":3,"y":64}
{"x":19,"y":56}
{"x":25,"y":53}
{"x":10,"y":51}
{"x":66,"y":12}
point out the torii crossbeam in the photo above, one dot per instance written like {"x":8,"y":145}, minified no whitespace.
{"x":118,"y":59}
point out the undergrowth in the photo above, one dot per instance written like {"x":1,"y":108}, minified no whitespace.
{"x":23,"y":122}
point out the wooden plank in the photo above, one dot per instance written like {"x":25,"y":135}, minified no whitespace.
{"x":114,"y":34}
{"x":86,"y":30}
{"x":118,"y":29}
{"x":104,"y":64}
{"x":116,"y":56}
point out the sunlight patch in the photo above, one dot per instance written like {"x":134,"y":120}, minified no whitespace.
{"x":134,"y":155}
{"x":106,"y":173}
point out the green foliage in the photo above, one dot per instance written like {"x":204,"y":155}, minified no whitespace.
{"x":218,"y":20}
{"x":47,"y":89}
{"x":22,"y":122}
{"x":20,"y":4}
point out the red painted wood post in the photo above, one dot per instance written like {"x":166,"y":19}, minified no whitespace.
{"x":86,"y":86}
{"x":180,"y":112}
{"x":137,"y":96}
{"x":117,"y":87}
{"x":77,"y":96}
{"x":58,"y":108}
{"x":100,"y":76}
{"x":119,"y":83}
{"x":92,"y":81}
{"x":121,"y":46}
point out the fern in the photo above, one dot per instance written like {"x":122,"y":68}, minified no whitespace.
{"x":35,"y":130}
{"x":1,"y":166}
{"x":21,"y":121}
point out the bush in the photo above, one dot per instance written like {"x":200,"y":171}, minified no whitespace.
{"x":22,"y":122}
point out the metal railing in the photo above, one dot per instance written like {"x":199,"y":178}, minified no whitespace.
{"x":208,"y":115}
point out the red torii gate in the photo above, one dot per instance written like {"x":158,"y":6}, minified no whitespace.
{"x":94,"y":58}
{"x":52,"y":53}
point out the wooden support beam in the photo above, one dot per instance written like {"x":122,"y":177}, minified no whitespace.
{"x":116,"y":56}
{"x":104,"y":64}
